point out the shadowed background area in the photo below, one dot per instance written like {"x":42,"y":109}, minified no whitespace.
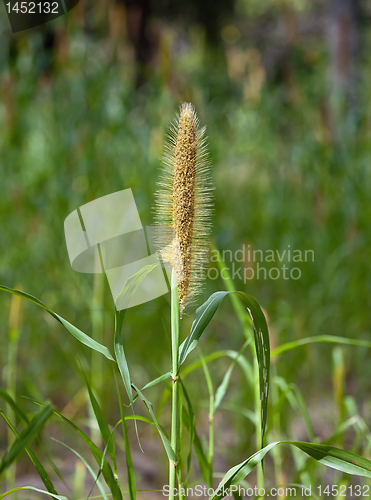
{"x":85,"y":101}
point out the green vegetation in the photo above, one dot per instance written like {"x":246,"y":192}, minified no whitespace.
{"x":75,"y":126}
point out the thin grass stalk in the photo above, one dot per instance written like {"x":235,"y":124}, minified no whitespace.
{"x":132,"y":492}
{"x":11,"y":375}
{"x":248,"y":332}
{"x":175,"y":414}
{"x":210,"y":388}
{"x":182,"y":212}
{"x":277,"y":455}
{"x":258,"y":425}
{"x":179,"y":467}
{"x":97,"y":320}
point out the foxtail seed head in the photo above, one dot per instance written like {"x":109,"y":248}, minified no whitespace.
{"x":183,"y":203}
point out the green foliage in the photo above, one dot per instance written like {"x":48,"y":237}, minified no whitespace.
{"x":78,"y":334}
{"x":203,"y":316}
{"x":282,"y":178}
{"x":23,"y":440}
{"x":335,"y":458}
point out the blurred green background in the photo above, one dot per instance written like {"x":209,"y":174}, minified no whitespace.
{"x":85,"y":101}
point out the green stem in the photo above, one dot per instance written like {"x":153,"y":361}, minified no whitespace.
{"x":175,"y":414}
{"x":248,"y":332}
{"x":11,"y":375}
{"x":277,"y":455}
{"x":258,"y":426}
{"x":179,"y":471}
{"x":211,"y":418}
{"x":97,"y":320}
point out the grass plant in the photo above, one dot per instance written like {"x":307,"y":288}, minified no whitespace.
{"x":184,"y":207}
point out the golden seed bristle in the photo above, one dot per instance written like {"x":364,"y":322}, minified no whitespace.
{"x":183,"y":203}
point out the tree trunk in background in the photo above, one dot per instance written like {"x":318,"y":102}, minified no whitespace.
{"x":343,"y":37}
{"x":138,"y":14}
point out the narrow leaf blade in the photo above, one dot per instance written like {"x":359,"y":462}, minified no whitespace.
{"x":26,"y":437}
{"x":204,"y":315}
{"x":336,"y":458}
{"x":78,"y":334}
{"x":38,"y":465}
{"x":168,"y":448}
{"x":103,"y":426}
{"x":31,"y":488}
{"x":98,"y":456}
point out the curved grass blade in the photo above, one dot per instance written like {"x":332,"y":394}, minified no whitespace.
{"x":241,"y":360}
{"x":129,"y":462}
{"x":140,"y":418}
{"x":98,"y":456}
{"x":249,"y":414}
{"x":131,"y":286}
{"x":126,"y":295}
{"x":336,"y":458}
{"x":26,"y":437}
{"x":195,"y":441}
{"x":122,"y":363}
{"x":120,"y":355}
{"x":78,"y":334}
{"x":329,"y":339}
{"x":38,"y":465}
{"x":157,"y":381}
{"x":103,"y":426}
{"x":243,"y":318}
{"x":295,"y":398}
{"x":168,"y":448}
{"x":16,"y":409}
{"x":210,"y":445}
{"x":203,"y":316}
{"x":104,"y":458}
{"x":31,"y":488}
{"x":94,"y":476}
{"x":222,"y":389}
{"x":22,"y":415}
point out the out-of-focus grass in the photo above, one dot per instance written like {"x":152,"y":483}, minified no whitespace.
{"x":85,"y":130}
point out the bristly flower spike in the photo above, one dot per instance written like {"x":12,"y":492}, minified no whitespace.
{"x":183,"y":203}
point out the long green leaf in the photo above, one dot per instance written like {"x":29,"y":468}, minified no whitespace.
{"x":120,"y":355}
{"x":157,"y":380}
{"x":329,"y":339}
{"x":129,"y":462}
{"x":26,"y":437}
{"x":38,"y":465}
{"x":168,"y":448}
{"x":31,"y":488}
{"x":338,"y":459}
{"x":78,"y":334}
{"x":94,"y":476}
{"x":195,"y":441}
{"x":98,"y":456}
{"x":131,"y":286}
{"x":10,"y":401}
{"x":21,"y":414}
{"x":222,"y":389}
{"x":241,"y":360}
{"x":203,"y":316}
{"x":295,"y":398}
{"x":126,"y":294}
{"x":103,"y":426}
